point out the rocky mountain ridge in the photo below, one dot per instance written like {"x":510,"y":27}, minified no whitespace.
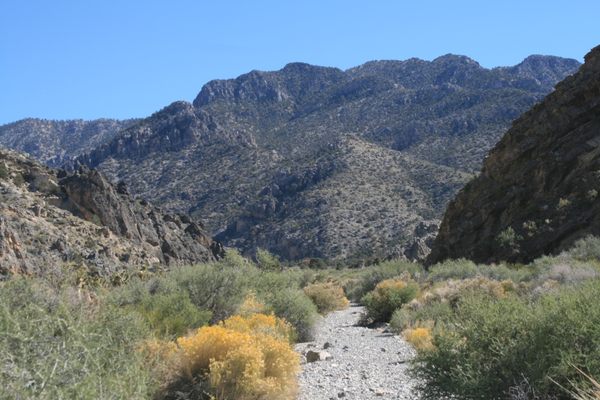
{"x":318,"y":162}
{"x":51,"y":220}
{"x":538,"y":190}
{"x":55,"y":142}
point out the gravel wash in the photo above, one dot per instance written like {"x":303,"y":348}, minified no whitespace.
{"x":364,"y":364}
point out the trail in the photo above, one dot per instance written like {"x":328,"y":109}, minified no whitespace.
{"x":366,"y":363}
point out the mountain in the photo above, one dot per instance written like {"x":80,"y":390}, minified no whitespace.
{"x":317,"y":162}
{"x":51,"y":220}
{"x":54,"y":142}
{"x":538,"y":190}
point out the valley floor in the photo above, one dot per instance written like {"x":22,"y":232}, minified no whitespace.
{"x":366,"y":363}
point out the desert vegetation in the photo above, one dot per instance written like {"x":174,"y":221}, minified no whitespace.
{"x":222,"y":329}
{"x":501,"y":331}
{"x":226,"y":329}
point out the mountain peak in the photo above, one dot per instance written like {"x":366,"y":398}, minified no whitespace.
{"x":593,"y":55}
{"x":540,"y":60}
{"x":455,"y":59}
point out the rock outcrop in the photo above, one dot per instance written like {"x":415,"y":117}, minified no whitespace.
{"x":538,"y":190}
{"x":51,"y":221}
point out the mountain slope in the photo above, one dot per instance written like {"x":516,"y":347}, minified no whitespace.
{"x":538,"y":190}
{"x":52,"y":142}
{"x":271,"y":159}
{"x":312,"y":161}
{"x":51,"y":220}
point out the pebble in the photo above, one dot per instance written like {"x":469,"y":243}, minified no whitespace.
{"x":365,"y":363}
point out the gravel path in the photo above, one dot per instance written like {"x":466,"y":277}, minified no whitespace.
{"x":365,"y":363}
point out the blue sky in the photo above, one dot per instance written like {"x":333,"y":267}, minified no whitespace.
{"x":118,"y":59}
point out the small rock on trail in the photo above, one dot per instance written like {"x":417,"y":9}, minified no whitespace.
{"x":365,"y":363}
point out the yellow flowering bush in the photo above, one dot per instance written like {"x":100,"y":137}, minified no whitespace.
{"x":251,"y":306}
{"x":261,"y":324}
{"x":327,"y":297}
{"x":419,"y":337}
{"x":244,"y":357}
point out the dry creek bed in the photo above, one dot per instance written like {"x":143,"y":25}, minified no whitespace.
{"x":355,"y":362}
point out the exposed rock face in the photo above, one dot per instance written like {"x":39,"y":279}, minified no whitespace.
{"x":54,"y":142}
{"x":538,"y":190}
{"x":50,"y":219}
{"x":318,"y":162}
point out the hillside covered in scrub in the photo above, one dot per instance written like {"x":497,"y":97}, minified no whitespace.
{"x":311,"y":161}
{"x":55,"y":142}
{"x":53,"y":222}
{"x":538,"y":190}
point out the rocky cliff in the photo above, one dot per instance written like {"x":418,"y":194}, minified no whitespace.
{"x":51,"y":220}
{"x":311,"y":161}
{"x":538,"y":190}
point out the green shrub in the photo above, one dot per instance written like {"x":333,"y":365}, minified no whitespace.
{"x":466,"y":269}
{"x":213,"y":287}
{"x":404,"y":318}
{"x":492,"y":345}
{"x":267,"y":261}
{"x":509,"y":240}
{"x":172,"y":314}
{"x":3,"y":171}
{"x":270,"y":281}
{"x":453,"y":269}
{"x":233,"y":259}
{"x":327,"y":297}
{"x":296,"y":308}
{"x":66,"y":345}
{"x":388,"y":296}
{"x":586,"y":249}
{"x":373,"y":275}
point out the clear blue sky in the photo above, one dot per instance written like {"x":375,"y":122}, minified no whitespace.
{"x":89,"y":59}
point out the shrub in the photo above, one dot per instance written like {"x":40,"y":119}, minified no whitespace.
{"x":509,"y":239}
{"x":184,"y":298}
{"x":494,"y":344}
{"x":213,"y":287}
{"x":172,"y":314}
{"x":466,"y":269}
{"x":405,"y":318}
{"x":327,"y":297}
{"x":233,"y":259}
{"x":3,"y":171}
{"x":388,"y":296}
{"x":261,"y":324}
{"x":590,"y":390}
{"x":265,"y":282}
{"x":453,"y":269}
{"x":569,"y":273}
{"x":419,"y":338}
{"x":267,"y":261}
{"x":586,"y":249}
{"x":67,"y":344}
{"x":251,"y":306}
{"x":296,"y":308}
{"x":375,"y":274}
{"x":244,"y":358}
